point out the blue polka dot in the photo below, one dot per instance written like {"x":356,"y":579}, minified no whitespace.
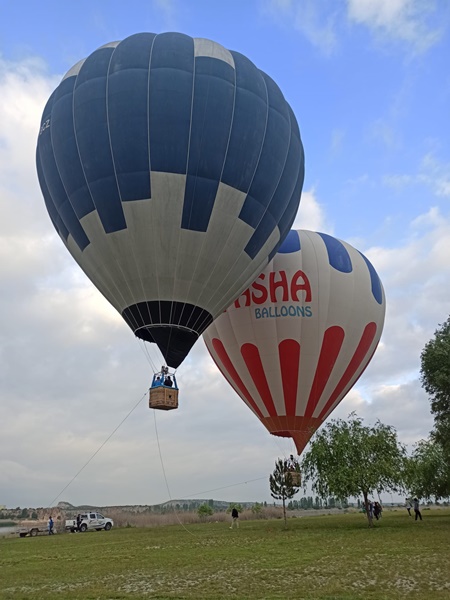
{"x":291,"y":243}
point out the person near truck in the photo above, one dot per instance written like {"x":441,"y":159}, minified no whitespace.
{"x":50,"y":526}
{"x":78,"y":522}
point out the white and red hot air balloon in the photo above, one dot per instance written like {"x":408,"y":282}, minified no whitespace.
{"x":298,"y":339}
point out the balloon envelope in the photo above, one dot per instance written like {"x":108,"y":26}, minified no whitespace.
{"x":298,"y":339}
{"x":172,"y":169}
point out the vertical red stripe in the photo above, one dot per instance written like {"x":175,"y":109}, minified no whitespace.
{"x":289,"y":353}
{"x":250,"y":354}
{"x":233,"y":374}
{"x":331,"y":346}
{"x":359,"y":355}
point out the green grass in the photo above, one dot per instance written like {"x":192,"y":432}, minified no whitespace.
{"x":326,"y":557}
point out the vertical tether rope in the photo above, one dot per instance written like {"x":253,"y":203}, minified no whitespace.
{"x":165,"y":477}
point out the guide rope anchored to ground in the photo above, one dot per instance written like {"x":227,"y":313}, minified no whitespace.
{"x":51,"y":504}
{"x":97,"y":451}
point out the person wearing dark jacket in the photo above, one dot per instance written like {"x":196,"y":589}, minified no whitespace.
{"x":417,"y":509}
{"x":234,"y":518}
{"x":377,"y":510}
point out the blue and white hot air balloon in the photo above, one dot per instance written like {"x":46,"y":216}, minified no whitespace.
{"x":172,"y":169}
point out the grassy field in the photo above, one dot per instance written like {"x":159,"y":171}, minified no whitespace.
{"x":322,"y":557}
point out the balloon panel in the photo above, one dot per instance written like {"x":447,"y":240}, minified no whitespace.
{"x":172,"y":169}
{"x":296,"y":341}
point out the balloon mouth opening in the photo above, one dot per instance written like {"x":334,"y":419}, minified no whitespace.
{"x":174,"y":342}
{"x":300,"y":429}
{"x":300,"y":438}
{"x":283,"y":433}
{"x":173,"y":326}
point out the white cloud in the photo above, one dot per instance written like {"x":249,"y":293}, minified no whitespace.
{"x":404,"y":406}
{"x":24,"y":89}
{"x":406,"y":20}
{"x":310,"y":19}
{"x":318,"y":30}
{"x":436,"y":174}
{"x":416,"y":277}
{"x":432,"y":172}
{"x":311,"y":214}
{"x":397,"y":182}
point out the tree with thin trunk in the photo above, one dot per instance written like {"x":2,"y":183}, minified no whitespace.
{"x":347,"y":458}
{"x":435,"y":377}
{"x":281,"y":484}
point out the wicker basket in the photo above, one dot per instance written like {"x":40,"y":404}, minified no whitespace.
{"x":163,"y":398}
{"x":296,"y":479}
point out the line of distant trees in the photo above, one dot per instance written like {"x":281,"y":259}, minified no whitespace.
{"x":308,"y":502}
{"x":18,"y":513}
{"x":194,"y":505}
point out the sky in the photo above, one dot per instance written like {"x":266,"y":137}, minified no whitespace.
{"x":369,"y":83}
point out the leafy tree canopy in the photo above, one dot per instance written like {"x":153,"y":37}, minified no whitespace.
{"x":429,"y":473}
{"x":435,"y":377}
{"x":204,"y":510}
{"x":347,"y":458}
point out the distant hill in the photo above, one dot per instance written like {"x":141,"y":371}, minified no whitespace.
{"x":183,"y":504}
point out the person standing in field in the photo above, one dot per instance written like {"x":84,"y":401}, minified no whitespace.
{"x":417,"y":509}
{"x":377,"y":510}
{"x":234,"y":518}
{"x":408,"y":506}
{"x":50,"y":526}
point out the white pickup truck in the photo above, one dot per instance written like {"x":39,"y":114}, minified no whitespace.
{"x":91,"y":520}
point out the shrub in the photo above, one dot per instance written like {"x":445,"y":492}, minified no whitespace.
{"x":204,"y":511}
